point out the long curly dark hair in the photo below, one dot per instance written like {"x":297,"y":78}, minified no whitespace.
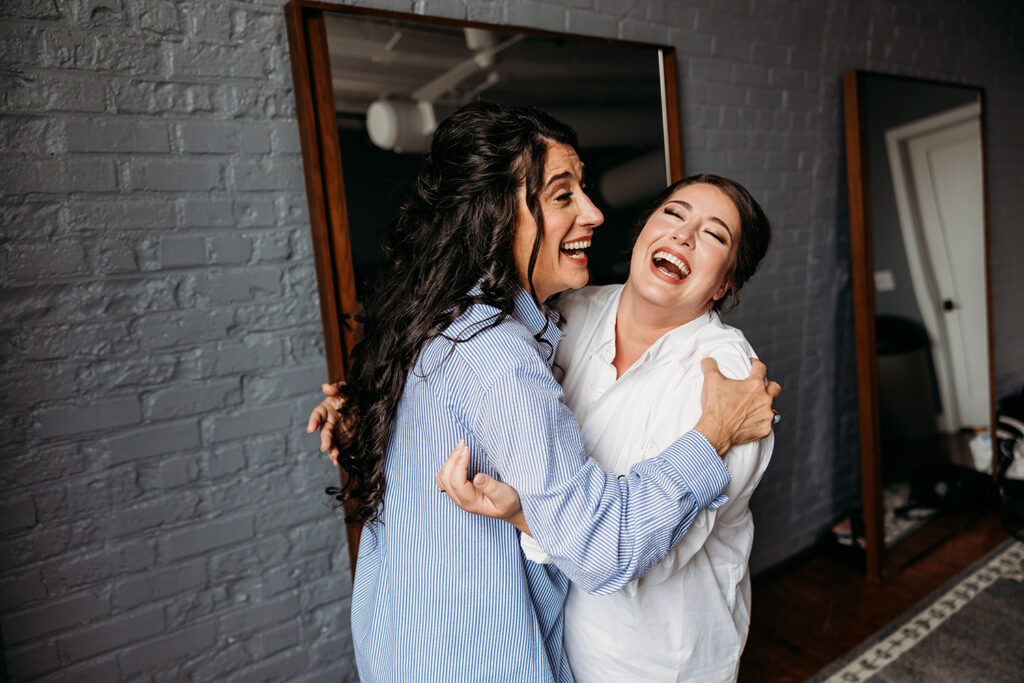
{"x":455,"y":227}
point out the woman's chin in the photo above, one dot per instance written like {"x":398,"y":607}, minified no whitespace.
{"x":582,"y":279}
{"x":568,"y":276}
{"x":575,"y":274}
{"x":667,"y":298}
{"x":575,"y":283}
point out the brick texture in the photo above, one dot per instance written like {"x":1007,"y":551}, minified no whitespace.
{"x":163,"y":515}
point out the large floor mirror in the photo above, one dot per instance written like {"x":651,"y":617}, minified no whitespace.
{"x":370,"y":86}
{"x":921,"y":304}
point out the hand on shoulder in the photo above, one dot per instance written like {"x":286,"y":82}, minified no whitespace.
{"x":736,"y":411}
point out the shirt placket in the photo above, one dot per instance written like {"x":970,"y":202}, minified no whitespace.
{"x":600,"y":378}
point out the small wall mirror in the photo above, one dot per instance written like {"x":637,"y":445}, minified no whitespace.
{"x":920,"y":272}
{"x":370,"y":87}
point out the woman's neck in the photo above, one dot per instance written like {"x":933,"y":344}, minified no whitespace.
{"x":638,"y":324}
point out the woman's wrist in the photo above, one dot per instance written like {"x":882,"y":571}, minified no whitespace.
{"x":518,"y":520}
{"x":719,"y":441}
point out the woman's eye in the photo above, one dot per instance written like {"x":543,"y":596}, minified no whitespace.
{"x":716,"y":236}
{"x":673,"y":212}
{"x":564,"y":197}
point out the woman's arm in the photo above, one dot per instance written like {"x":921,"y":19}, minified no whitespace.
{"x":337,"y":426}
{"x":619,"y":527}
{"x":601,"y":531}
{"x":491,"y":498}
{"x":486,"y":496}
{"x":483,"y":495}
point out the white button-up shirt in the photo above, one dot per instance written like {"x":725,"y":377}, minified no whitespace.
{"x":687,"y":618}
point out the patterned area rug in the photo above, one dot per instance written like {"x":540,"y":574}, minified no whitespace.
{"x":972,"y":629}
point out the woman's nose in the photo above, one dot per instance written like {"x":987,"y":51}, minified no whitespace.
{"x":683,"y":235}
{"x":590,"y":215}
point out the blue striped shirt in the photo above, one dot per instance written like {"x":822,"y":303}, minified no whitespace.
{"x":443,"y":595}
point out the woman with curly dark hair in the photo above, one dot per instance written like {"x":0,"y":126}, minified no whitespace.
{"x":458,"y":345}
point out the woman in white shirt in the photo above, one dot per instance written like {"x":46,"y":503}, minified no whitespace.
{"x":632,"y":359}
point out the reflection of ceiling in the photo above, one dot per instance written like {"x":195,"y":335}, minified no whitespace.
{"x":415,"y":73}
{"x":375,"y":57}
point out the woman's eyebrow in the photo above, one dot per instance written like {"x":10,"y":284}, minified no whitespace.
{"x":564,"y":175}
{"x":715,"y":219}
{"x":568,"y":173}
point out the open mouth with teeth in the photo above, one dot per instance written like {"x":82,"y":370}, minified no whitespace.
{"x":669,"y":265}
{"x":576,"y":251}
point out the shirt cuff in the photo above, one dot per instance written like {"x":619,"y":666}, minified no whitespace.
{"x":694,"y":459}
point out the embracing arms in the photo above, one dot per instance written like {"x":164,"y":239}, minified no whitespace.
{"x":734,"y":412}
{"x":621,"y":526}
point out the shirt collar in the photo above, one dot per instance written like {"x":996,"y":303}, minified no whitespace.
{"x":675,"y":340}
{"x":529,"y":314}
{"x":526,"y":312}
{"x":670,"y":342}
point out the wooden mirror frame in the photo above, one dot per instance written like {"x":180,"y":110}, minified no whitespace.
{"x":862,"y":270}
{"x":322,"y":165}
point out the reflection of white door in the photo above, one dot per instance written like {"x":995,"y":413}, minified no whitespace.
{"x":937,"y":176}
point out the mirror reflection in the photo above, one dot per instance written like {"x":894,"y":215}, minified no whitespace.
{"x":393,"y":80}
{"x":927,"y":218}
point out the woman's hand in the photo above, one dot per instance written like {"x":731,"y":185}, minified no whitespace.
{"x":336,"y":427}
{"x":484,"y":495}
{"x":736,"y":411}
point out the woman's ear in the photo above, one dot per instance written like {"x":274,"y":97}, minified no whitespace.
{"x":722,"y":291}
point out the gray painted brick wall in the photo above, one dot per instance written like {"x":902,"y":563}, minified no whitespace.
{"x":162,"y":514}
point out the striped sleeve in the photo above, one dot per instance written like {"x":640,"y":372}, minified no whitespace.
{"x":600,"y":530}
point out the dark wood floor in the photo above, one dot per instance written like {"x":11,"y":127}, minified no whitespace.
{"x":818,"y":607}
